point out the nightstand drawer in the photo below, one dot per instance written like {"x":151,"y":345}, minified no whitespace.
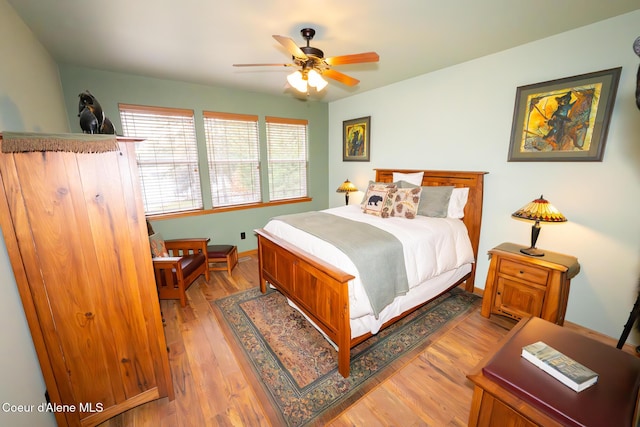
{"x":524,"y":272}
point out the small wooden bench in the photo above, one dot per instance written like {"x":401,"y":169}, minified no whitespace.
{"x":227,"y":254}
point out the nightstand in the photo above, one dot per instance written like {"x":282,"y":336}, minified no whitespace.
{"x":520,"y":285}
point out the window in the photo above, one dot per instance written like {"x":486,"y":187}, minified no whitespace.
{"x":287,"y":158}
{"x":233,"y":150}
{"x":167,"y":158}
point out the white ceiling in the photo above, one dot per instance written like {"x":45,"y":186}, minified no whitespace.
{"x":199,"y":40}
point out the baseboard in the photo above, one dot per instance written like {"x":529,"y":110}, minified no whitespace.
{"x":252,"y":252}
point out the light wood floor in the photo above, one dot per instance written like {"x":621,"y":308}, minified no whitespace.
{"x":428,"y":389}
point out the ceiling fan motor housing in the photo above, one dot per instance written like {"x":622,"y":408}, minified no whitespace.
{"x":307,"y":34}
{"x":312,"y":51}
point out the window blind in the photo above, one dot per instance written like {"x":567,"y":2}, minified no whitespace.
{"x":167,"y":158}
{"x":287,"y":157}
{"x":233,"y":150}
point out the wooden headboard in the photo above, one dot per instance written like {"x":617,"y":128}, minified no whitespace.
{"x":472,"y":210}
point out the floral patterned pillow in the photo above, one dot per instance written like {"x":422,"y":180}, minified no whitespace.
{"x":405,"y":202}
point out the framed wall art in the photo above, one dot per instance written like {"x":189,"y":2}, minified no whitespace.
{"x":356,"y":140}
{"x":564,"y":120}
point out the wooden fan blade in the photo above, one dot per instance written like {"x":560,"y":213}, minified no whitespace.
{"x":264,"y":65}
{"x":356,"y":58}
{"x":291,"y":47}
{"x":342,"y":78}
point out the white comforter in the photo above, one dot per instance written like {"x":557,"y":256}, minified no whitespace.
{"x":432,"y":246}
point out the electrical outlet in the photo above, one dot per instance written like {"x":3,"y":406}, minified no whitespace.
{"x":243,"y":236}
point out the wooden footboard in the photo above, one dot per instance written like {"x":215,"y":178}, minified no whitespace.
{"x":317,"y":288}
{"x":320,"y":290}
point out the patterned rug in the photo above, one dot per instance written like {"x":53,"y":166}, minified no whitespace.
{"x":297,"y":367}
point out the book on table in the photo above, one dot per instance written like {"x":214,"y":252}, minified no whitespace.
{"x":563,"y":368}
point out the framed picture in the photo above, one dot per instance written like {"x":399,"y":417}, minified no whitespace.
{"x":356,"y":140}
{"x":564,"y":120}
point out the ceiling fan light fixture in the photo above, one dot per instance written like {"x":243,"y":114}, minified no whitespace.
{"x":296,"y":80}
{"x":316,"y":80}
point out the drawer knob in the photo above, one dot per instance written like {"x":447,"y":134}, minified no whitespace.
{"x":521,"y":272}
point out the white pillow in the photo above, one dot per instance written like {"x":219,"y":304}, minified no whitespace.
{"x":412,"y":178}
{"x":457,"y":202}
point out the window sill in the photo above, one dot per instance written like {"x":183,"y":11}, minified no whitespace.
{"x":227,"y":209}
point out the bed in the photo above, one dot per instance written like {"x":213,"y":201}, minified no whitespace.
{"x":324,"y":292}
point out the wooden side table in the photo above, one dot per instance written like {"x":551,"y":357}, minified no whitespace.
{"x":509,"y":390}
{"x":520,"y":285}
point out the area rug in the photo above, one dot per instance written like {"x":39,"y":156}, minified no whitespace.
{"x":297,"y":367}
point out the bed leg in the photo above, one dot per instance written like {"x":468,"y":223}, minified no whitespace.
{"x":469,"y":284}
{"x":344,"y":361}
{"x":344,"y":338}
{"x":263,"y":281}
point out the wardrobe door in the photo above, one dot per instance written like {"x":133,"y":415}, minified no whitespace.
{"x":81,"y":234}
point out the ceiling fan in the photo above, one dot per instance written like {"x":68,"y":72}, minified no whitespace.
{"x":313,"y":65}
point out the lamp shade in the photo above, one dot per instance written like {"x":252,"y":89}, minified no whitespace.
{"x":540,"y":210}
{"x":347,"y":187}
{"x":302,"y":80}
{"x":315,"y":80}
{"x":297,"y":80}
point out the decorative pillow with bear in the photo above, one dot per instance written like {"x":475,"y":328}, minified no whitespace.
{"x":363,"y":203}
{"x":406,"y":202}
{"x":377,"y":200}
{"x":158,"y":247}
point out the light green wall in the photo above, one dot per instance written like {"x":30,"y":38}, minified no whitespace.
{"x":113,"y":88}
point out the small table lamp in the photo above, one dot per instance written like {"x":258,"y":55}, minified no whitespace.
{"x":346,"y":188}
{"x":538,"y":210}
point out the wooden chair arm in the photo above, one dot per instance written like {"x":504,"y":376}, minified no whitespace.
{"x":166,"y":261}
{"x":166,"y":265}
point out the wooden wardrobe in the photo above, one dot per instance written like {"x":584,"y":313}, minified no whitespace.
{"x":75,"y":230}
